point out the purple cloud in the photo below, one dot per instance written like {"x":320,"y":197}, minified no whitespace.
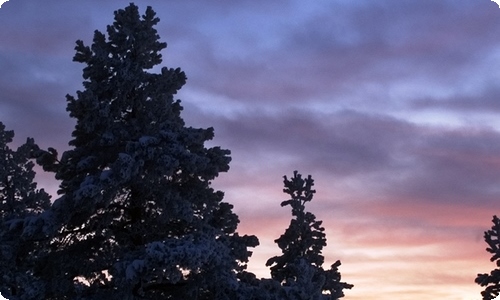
{"x":391,"y":106}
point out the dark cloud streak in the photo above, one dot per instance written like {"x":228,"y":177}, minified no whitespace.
{"x":341,"y":90}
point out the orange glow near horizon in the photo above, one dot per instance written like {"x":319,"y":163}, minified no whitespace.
{"x":393,"y":107}
{"x":390,"y":260}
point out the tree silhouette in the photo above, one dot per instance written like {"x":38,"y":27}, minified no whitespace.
{"x":19,"y":201}
{"x":491,"y":281}
{"x":299,"y":269}
{"x":137,"y":217}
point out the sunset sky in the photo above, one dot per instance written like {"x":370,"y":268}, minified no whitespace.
{"x":393,"y":106}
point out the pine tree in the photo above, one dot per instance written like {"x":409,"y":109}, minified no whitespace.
{"x":299,"y":269}
{"x":491,"y":281}
{"x":137,"y":217}
{"x":19,"y":200}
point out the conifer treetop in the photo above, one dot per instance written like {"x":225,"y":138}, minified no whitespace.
{"x":137,"y":216}
{"x":491,"y":282}
{"x":299,"y":268}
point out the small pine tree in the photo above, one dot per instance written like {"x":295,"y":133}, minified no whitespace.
{"x":19,"y":200}
{"x":491,"y":281}
{"x":299,"y":269}
{"x":137,"y":217}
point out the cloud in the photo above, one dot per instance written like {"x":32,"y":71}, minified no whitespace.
{"x":359,"y":57}
{"x":343,"y":90}
{"x":485,"y":101}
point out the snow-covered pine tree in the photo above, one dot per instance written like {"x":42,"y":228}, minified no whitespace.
{"x":491,"y":281}
{"x":137,"y":217}
{"x":19,"y":199}
{"x":299,"y":269}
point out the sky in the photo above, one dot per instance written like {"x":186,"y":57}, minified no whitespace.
{"x":393,"y":107}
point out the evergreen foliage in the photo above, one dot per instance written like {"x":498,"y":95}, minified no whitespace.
{"x":299,"y":269}
{"x":137,"y":217}
{"x":19,"y":201}
{"x":491,"y":281}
